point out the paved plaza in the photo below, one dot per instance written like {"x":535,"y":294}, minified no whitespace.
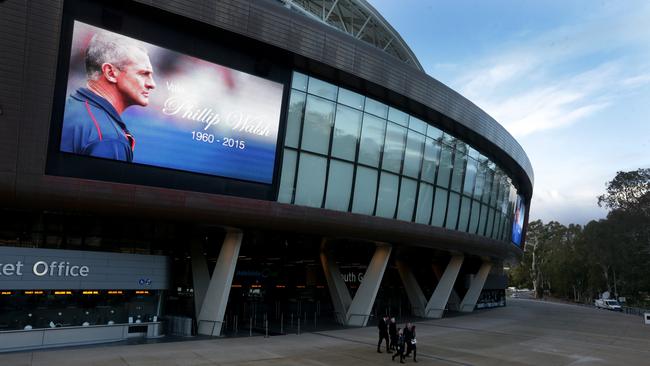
{"x":526,"y":332}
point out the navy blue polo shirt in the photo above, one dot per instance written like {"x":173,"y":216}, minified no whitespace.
{"x":91,"y":126}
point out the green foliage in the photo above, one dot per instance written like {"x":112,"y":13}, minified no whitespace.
{"x":612,"y":254}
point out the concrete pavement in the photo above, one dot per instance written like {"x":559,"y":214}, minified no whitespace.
{"x":526,"y":332}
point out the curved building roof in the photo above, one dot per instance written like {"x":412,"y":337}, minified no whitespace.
{"x":359,"y":19}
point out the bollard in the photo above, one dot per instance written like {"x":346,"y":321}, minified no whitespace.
{"x":266,"y":325}
{"x":314,"y":320}
{"x":235,"y":325}
{"x":291,"y":320}
{"x":298,"y":326}
{"x":281,"y":323}
{"x":250,"y":328}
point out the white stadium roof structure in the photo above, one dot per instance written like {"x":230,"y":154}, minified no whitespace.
{"x":359,"y":19}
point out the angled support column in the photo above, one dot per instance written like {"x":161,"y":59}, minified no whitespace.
{"x":200,"y":275}
{"x":355,"y":311}
{"x":341,"y":298}
{"x":454,"y":300}
{"x":471,"y":297}
{"x":213,"y":307}
{"x":436,"y":305}
{"x":359,"y":310}
{"x":413,"y":290}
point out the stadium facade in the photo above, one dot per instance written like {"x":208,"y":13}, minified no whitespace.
{"x":285,"y":164}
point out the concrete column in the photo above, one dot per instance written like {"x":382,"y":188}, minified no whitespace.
{"x":413,"y":290}
{"x":200,"y":274}
{"x":471,"y":297}
{"x":210,"y":317}
{"x":339,"y":292}
{"x":359,"y":310}
{"x":436,"y":305}
{"x":454,"y":300}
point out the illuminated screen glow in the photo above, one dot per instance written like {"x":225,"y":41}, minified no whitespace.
{"x":136,"y":102}
{"x":518,"y":222}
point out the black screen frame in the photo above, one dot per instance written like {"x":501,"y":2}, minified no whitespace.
{"x":180,"y":34}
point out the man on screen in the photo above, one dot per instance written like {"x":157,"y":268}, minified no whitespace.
{"x":119,"y":74}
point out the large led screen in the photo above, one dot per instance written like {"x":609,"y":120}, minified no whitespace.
{"x":518,"y":222}
{"x":139,"y":103}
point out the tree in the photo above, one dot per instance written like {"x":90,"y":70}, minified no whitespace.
{"x":628,"y":191}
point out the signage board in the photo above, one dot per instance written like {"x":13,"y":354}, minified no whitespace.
{"x":42,"y":269}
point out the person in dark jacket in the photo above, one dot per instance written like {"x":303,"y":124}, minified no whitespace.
{"x":382,"y":326}
{"x":119,"y":75}
{"x":407,"y":339}
{"x":400,"y":346}
{"x":413,"y":344}
{"x":392,"y":333}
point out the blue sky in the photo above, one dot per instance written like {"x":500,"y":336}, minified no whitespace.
{"x":569,"y":79}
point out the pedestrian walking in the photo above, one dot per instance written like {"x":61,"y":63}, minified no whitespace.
{"x":400,"y":346}
{"x":392,"y":333}
{"x":408,"y":336}
{"x":414,"y":344}
{"x":382,"y":326}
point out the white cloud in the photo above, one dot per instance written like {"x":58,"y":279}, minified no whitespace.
{"x":524,"y":84}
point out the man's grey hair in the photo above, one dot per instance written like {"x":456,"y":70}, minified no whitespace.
{"x":106,"y":47}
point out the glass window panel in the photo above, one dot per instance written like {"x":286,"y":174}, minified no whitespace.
{"x":387,"y":197}
{"x":461,"y":146}
{"x":311,"y":180}
{"x":322,"y":88}
{"x":339,"y":185}
{"x":489,"y":176}
{"x":495,"y":189}
{"x":299,"y":81}
{"x":459,"y":171}
{"x":351,"y":98}
{"x":407,"y":192}
{"x":474,"y":217}
{"x":418,"y":125}
{"x":505,"y":233}
{"x":431,"y":152}
{"x":480,"y":181}
{"x":394,"y":148}
{"x":398,"y":117}
{"x":482,"y":220}
{"x":372,"y":139}
{"x":296,"y":112}
{"x":448,"y":139}
{"x":376,"y":108}
{"x":346,"y":132}
{"x":319,"y":118}
{"x":365,"y":188}
{"x":444,"y":170}
{"x":473,"y":153}
{"x":434,"y":133}
{"x":497,"y":225}
{"x":463,"y":220}
{"x":513,"y":196}
{"x":490,"y":223}
{"x":413,"y":155}
{"x":452,"y":211}
{"x":425,"y":202}
{"x":470,"y":177}
{"x":504,"y":196}
{"x":287,"y":176}
{"x":439,"y":207}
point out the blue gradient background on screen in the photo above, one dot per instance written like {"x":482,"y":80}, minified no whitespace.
{"x":166,"y":140}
